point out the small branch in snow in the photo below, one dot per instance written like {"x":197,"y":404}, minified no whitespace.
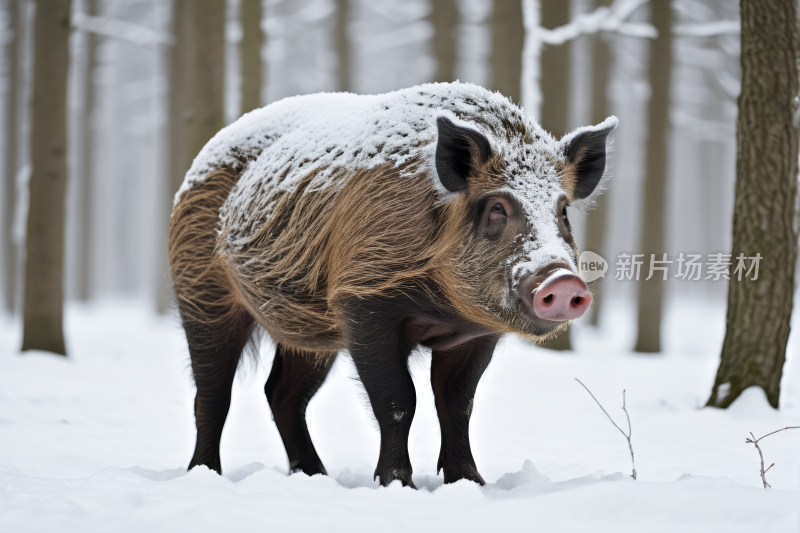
{"x":119,"y":29}
{"x":754,"y":442}
{"x":630,"y":432}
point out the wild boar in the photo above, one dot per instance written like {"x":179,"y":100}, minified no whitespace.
{"x":433,"y":216}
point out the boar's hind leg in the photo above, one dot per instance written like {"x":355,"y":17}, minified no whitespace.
{"x":454,"y":377}
{"x":215,"y":347}
{"x":380,"y":354}
{"x":217,"y":325}
{"x":294,"y":379}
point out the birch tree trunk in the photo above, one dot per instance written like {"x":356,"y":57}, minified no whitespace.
{"x":508,"y":39}
{"x":9,"y":193}
{"x":342,"y":43}
{"x":555,"y":97}
{"x":445,"y":16}
{"x":250,"y":46}
{"x":44,"y":264}
{"x":764,"y":213}
{"x":596,"y":228}
{"x":660,"y":76}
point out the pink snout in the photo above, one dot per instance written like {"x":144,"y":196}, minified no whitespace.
{"x":562,"y":296}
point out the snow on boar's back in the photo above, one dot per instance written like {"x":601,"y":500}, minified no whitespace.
{"x":432,"y":216}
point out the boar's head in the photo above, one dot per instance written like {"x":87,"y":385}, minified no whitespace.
{"x":515,"y":257}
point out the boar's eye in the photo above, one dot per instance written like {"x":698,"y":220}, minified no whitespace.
{"x":497,"y":212}
{"x":564,"y":225}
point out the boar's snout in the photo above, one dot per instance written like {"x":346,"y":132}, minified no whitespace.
{"x":560,"y":296}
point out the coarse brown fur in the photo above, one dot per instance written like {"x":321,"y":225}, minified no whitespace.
{"x":381,"y":234}
{"x":200,"y":276}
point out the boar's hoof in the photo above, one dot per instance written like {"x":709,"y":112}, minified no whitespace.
{"x":403,"y":475}
{"x":213,"y":463}
{"x":453,"y":473}
{"x":309,"y":469}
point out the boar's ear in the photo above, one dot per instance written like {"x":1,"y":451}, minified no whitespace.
{"x":458,"y":151}
{"x":585,"y":154}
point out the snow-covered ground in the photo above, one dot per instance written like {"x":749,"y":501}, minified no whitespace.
{"x":100,"y":441}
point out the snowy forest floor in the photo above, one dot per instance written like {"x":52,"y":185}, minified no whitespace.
{"x":100,"y":441}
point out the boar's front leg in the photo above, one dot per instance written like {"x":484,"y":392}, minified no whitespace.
{"x":454,"y":377}
{"x":380,"y":353}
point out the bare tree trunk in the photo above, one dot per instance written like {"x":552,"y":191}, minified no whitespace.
{"x":596,"y":229}
{"x":508,"y":37}
{"x":196,"y":104}
{"x":250,"y":53}
{"x":9,"y":246}
{"x":180,"y":109}
{"x":660,"y":76}
{"x":208,"y":72}
{"x":179,"y":123}
{"x":342,"y":38}
{"x":44,"y":265}
{"x":444,"y":17}
{"x":84,"y":182}
{"x":555,"y":97}
{"x":764,"y":214}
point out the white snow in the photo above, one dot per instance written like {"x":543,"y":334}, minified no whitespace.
{"x":100,"y":441}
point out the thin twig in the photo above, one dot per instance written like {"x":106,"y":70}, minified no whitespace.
{"x":778,"y":431}
{"x":630,"y":430}
{"x":754,"y":442}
